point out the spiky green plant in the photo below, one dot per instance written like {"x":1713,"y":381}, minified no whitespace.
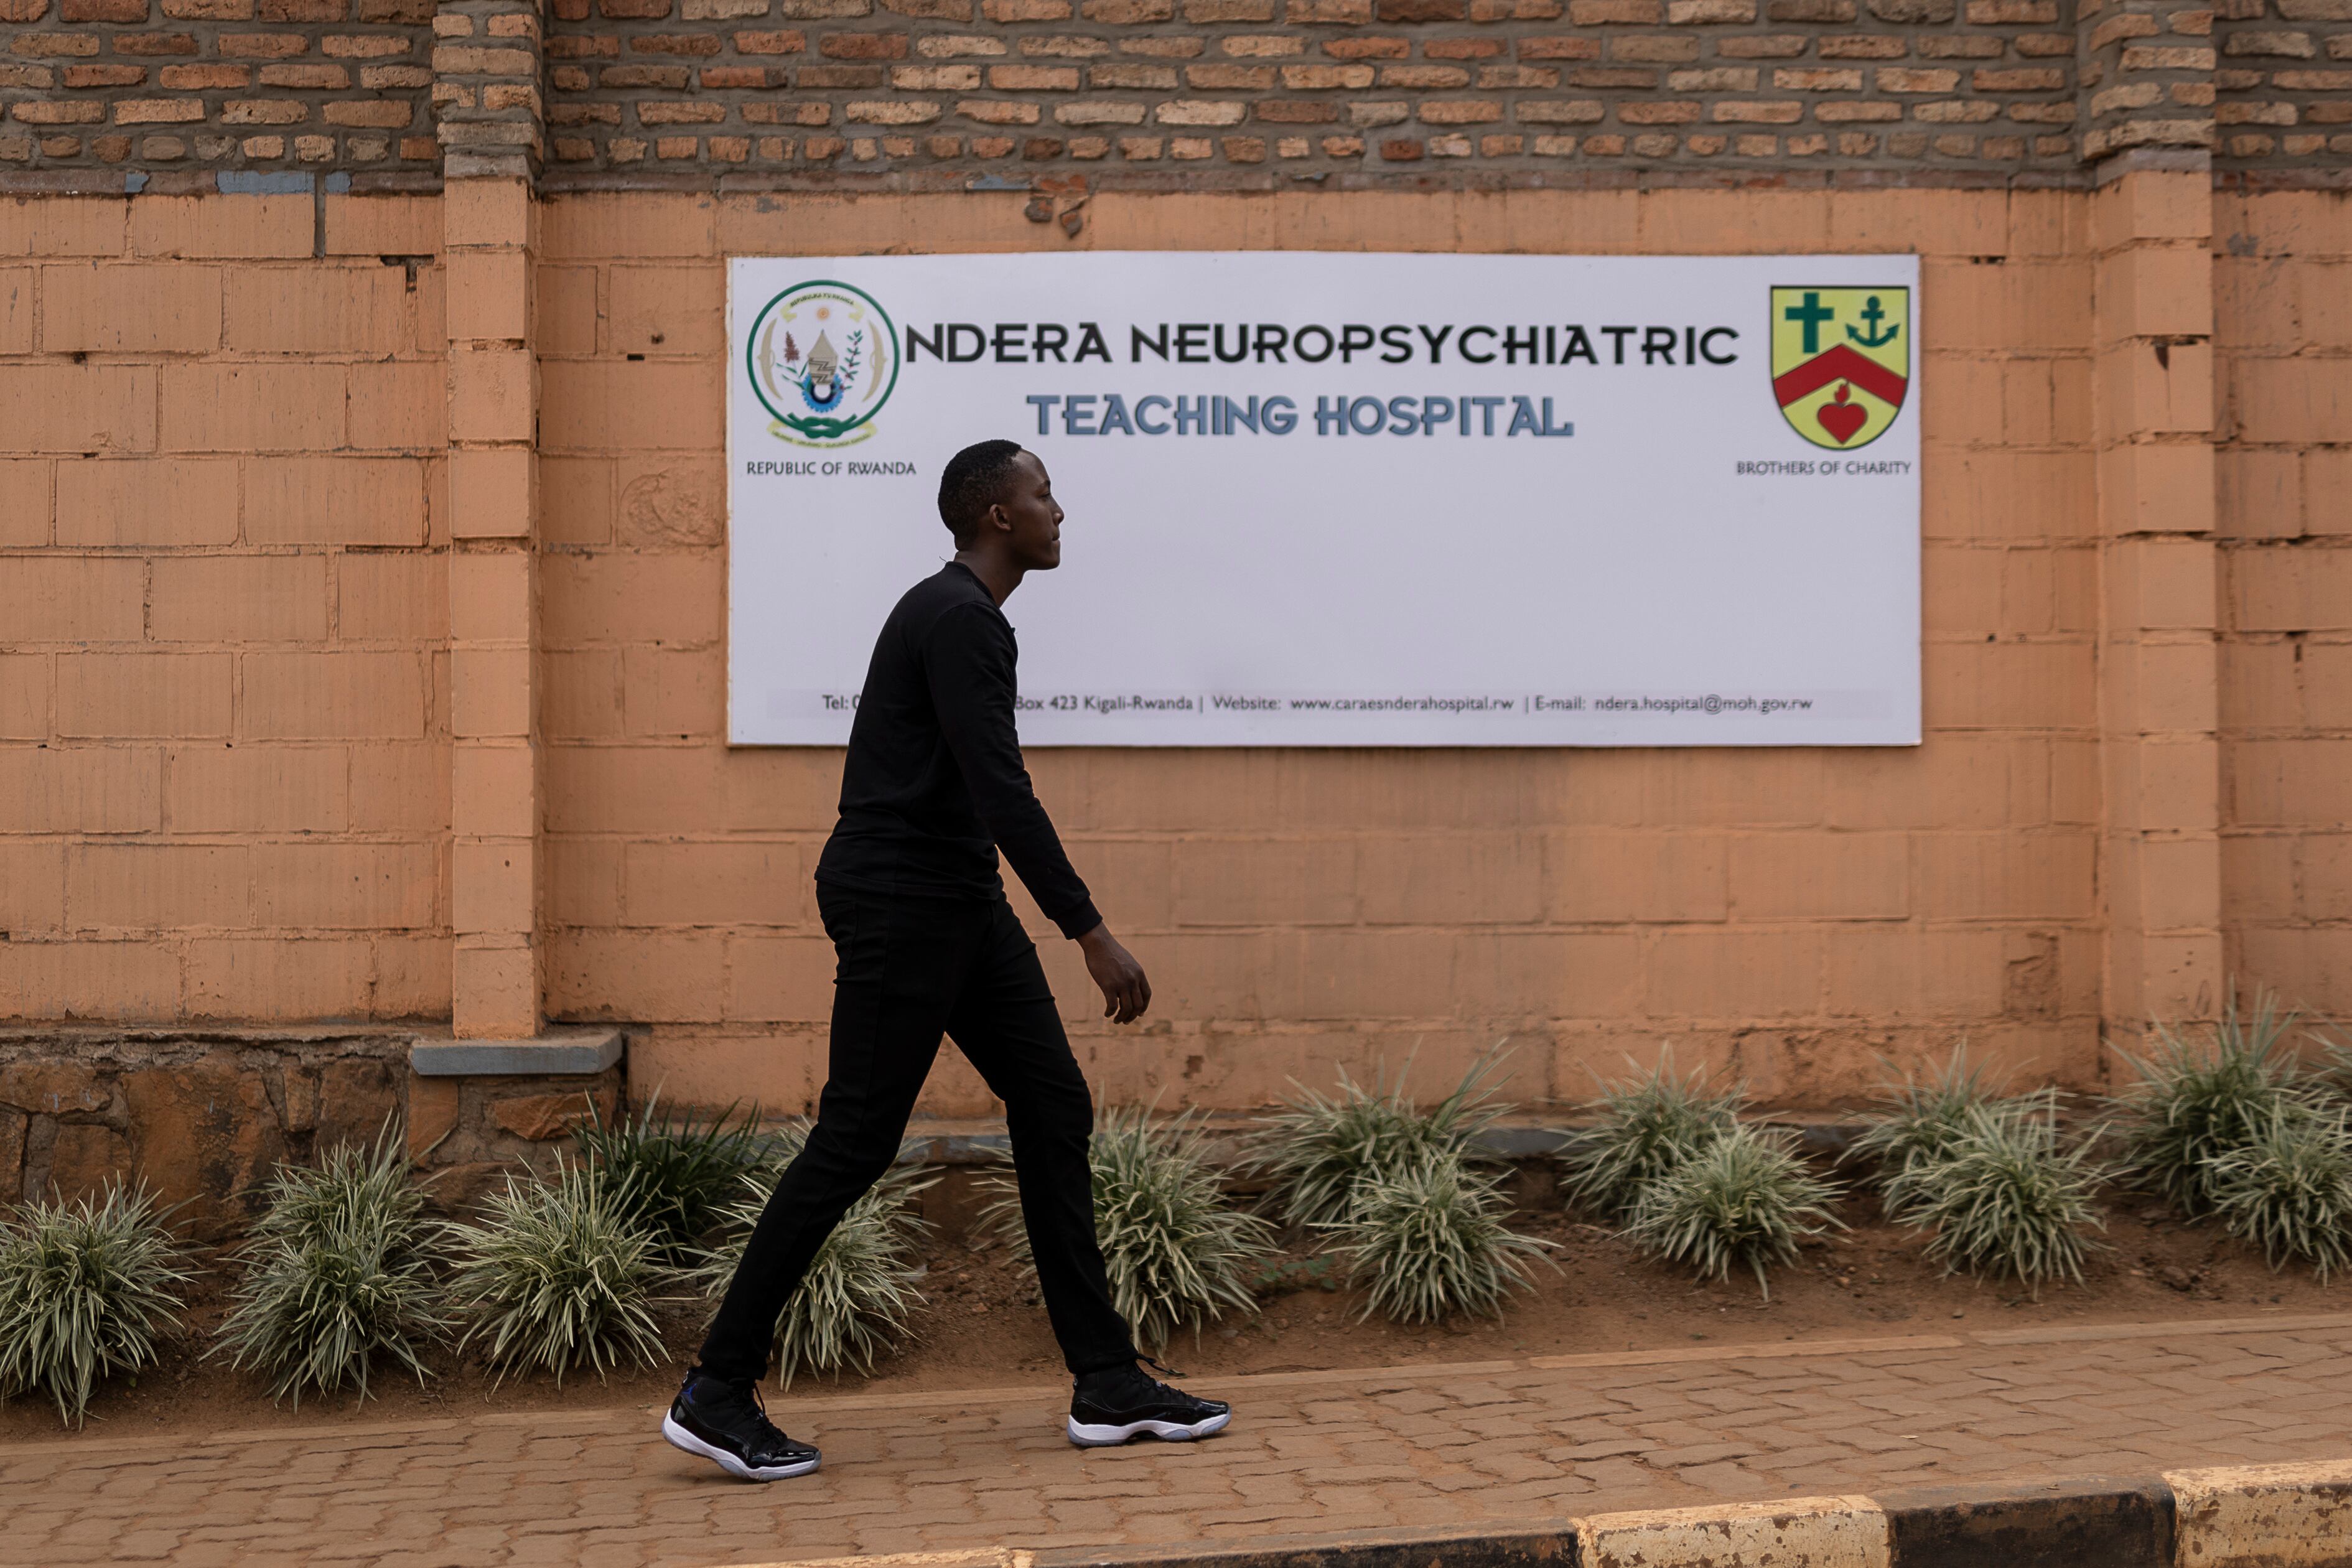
{"x":2290,"y":1189}
{"x":87,"y":1290}
{"x":1178,"y":1253}
{"x":855,"y":1303}
{"x":2004,"y":1195}
{"x":336,"y":1274}
{"x":1428,"y":1240}
{"x":1919,"y":1121}
{"x":316,"y":1315}
{"x":1320,"y":1147}
{"x":352,"y":1187}
{"x":1647,"y":1125}
{"x":557,"y":1274}
{"x":2335,"y":1052}
{"x":1742,"y":1197}
{"x":1915,"y":1118}
{"x":2198,"y":1100}
{"x":672,"y":1172}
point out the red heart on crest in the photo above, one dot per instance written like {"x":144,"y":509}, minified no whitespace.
{"x":1843,"y":419}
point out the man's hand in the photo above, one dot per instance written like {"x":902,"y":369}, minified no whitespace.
{"x":1126,"y":992}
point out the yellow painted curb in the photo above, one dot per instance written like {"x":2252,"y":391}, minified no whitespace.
{"x":988,"y":1557}
{"x":1800,"y":1532}
{"x":2262,"y":1516}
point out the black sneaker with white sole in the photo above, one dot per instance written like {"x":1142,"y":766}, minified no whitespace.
{"x":725,"y":1422}
{"x":1122,"y":1404}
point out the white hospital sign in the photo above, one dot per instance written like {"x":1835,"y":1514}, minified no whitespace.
{"x":1349,"y":500}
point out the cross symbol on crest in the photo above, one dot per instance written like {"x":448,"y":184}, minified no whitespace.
{"x":1812,"y":313}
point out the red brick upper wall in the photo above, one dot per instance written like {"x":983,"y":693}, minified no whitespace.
{"x":929,"y":93}
{"x":338,"y":85}
{"x":1310,"y":88}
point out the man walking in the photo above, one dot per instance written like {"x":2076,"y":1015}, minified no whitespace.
{"x":926,"y":944}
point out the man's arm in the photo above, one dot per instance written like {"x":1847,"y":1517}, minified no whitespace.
{"x":969,"y":662}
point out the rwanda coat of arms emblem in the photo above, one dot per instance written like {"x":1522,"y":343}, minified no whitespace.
{"x":823,"y":358}
{"x":1841,"y":362}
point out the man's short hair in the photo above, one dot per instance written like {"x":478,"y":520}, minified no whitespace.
{"x":975,"y":480}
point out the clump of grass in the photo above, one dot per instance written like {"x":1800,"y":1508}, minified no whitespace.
{"x":855,"y":1303}
{"x":87,"y":1290}
{"x":1428,"y":1240}
{"x":353,"y":1187}
{"x":1919,"y":1123}
{"x":1648,"y":1125}
{"x":2335,"y":1050}
{"x":1916,"y":1120}
{"x":672,"y":1174}
{"x":1178,"y":1253}
{"x":336,"y":1274}
{"x":1741,"y":1197}
{"x":2289,"y":1187}
{"x":2198,"y":1102}
{"x":558,"y":1274}
{"x":2002,"y":1196}
{"x":1319,"y":1148}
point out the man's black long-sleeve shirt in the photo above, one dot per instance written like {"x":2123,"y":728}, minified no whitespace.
{"x":934,"y":784}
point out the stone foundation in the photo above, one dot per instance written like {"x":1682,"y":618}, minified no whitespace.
{"x":478,"y":1111}
{"x":205,"y":1117}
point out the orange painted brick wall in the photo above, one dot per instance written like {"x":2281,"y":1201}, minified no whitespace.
{"x":1790,"y":912}
{"x":224,"y":734}
{"x":223,"y":757}
{"x":2284,"y":334}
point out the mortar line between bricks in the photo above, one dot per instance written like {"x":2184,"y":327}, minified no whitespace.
{"x":1002,"y":1397}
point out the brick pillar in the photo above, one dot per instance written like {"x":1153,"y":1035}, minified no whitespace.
{"x":2145,"y":75}
{"x":2159,"y":665}
{"x":486,"y":62}
{"x":488,"y":107}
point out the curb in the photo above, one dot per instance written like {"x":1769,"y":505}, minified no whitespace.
{"x":2258,"y":1516}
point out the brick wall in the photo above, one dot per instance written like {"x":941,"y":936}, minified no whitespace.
{"x":225,"y":752}
{"x":1311,"y":89}
{"x":2283,"y":330}
{"x":223,"y":755}
{"x":2284,"y":81}
{"x":225,"y":727}
{"x":934,"y":93}
{"x":166,"y":85}
{"x":1790,"y":912}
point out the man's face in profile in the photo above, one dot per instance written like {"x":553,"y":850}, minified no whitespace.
{"x":1036,"y":518}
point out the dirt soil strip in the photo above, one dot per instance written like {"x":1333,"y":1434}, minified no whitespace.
{"x":1509,"y":1450}
{"x":980,"y":1326}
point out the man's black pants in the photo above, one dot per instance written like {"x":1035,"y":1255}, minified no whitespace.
{"x":907,"y":971}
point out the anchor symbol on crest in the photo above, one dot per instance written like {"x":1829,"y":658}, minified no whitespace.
{"x":1872,"y":314}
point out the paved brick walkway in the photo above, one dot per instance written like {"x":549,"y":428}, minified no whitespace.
{"x":1416,"y":1447}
